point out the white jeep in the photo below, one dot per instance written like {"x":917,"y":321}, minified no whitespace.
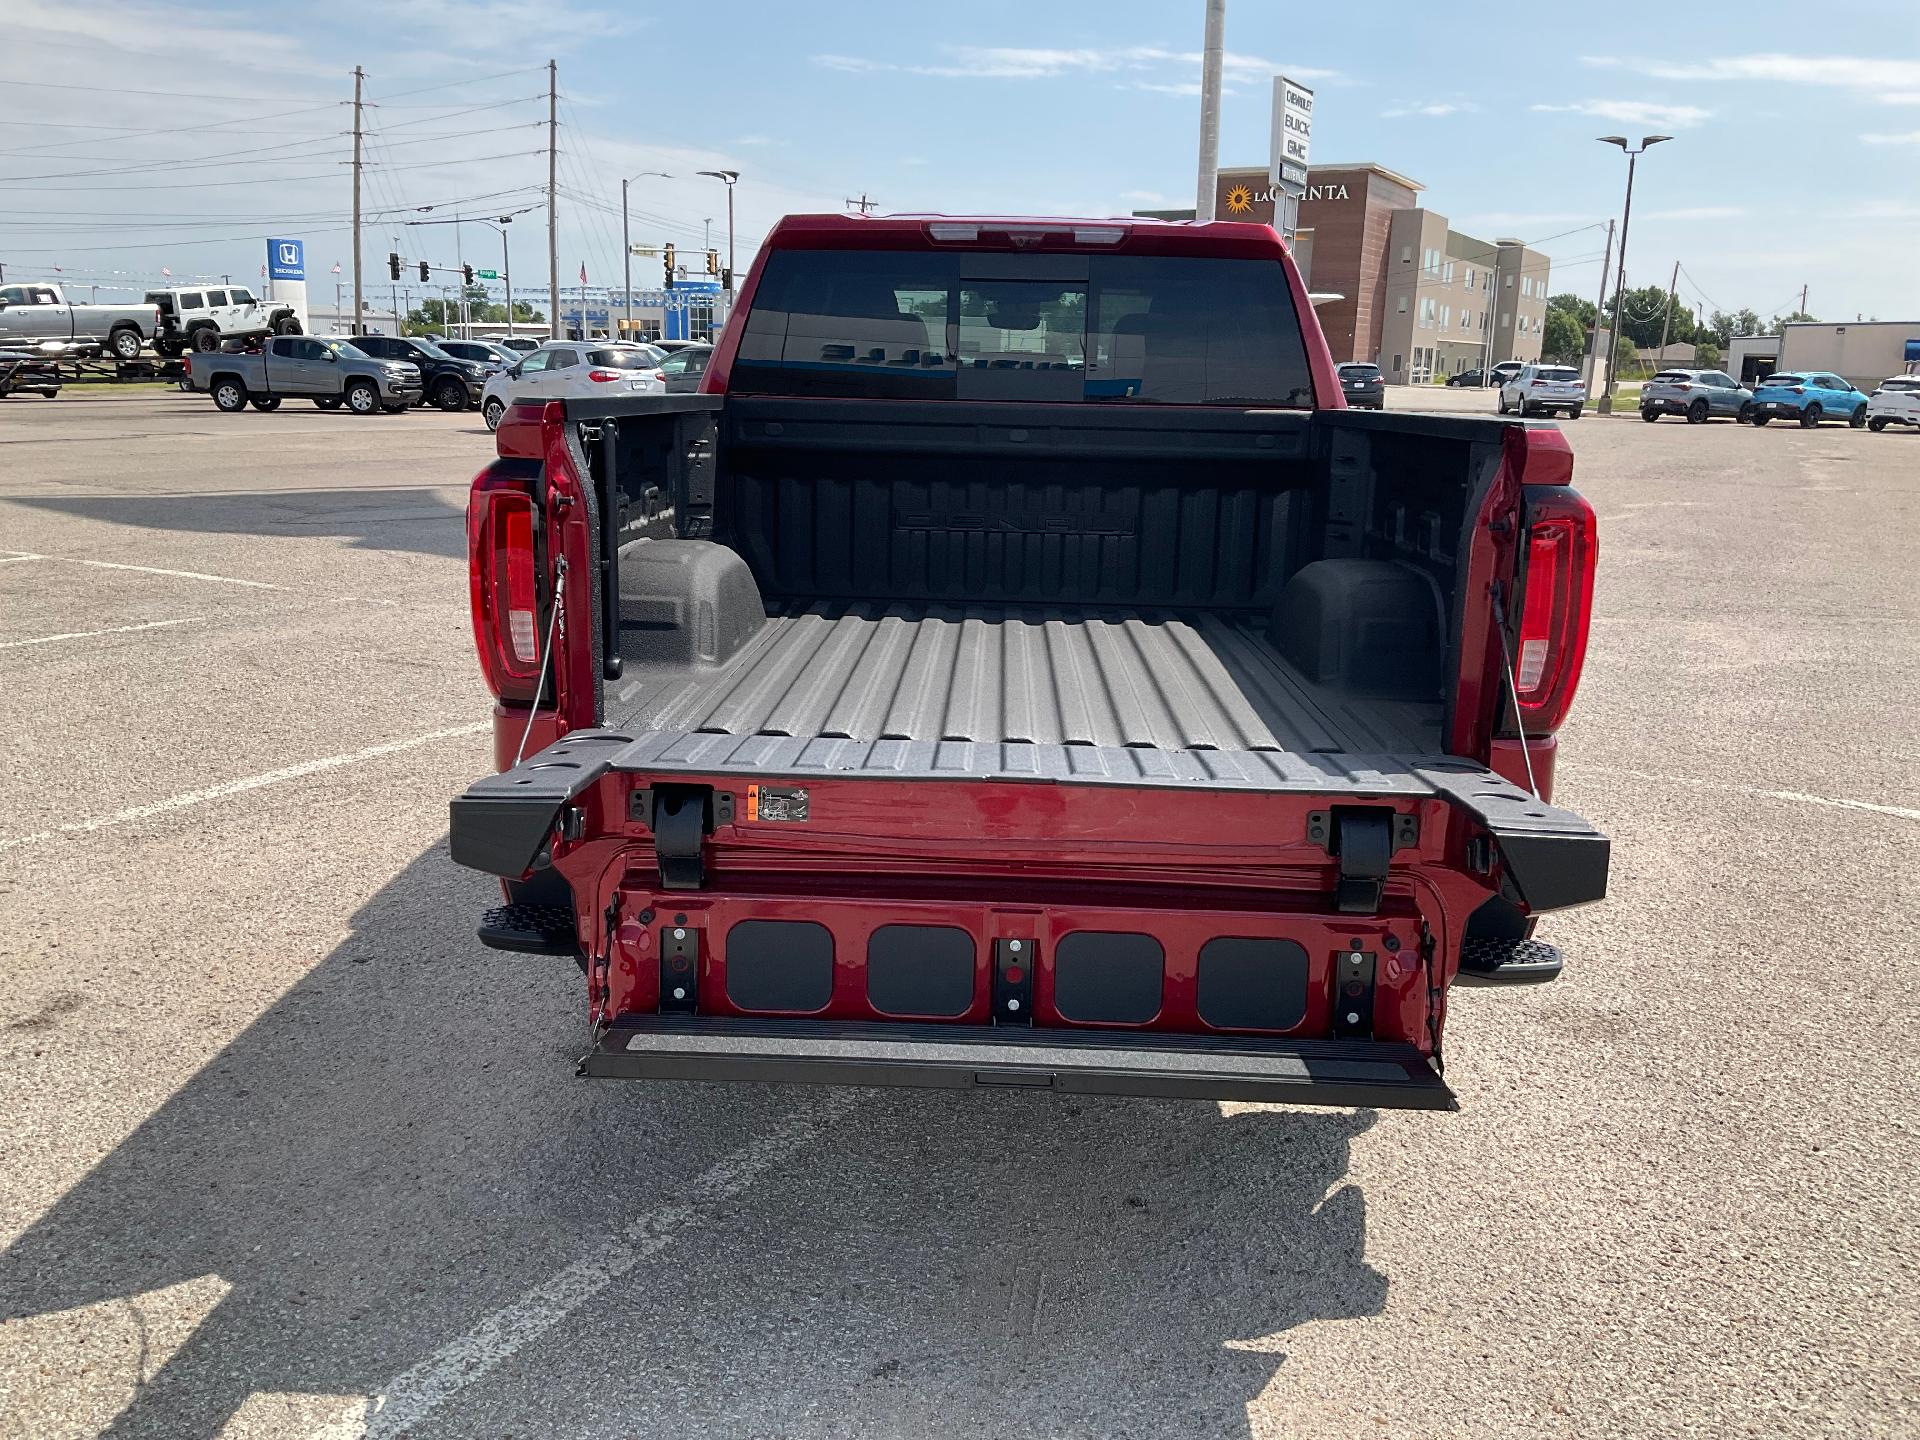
{"x":203,"y":317}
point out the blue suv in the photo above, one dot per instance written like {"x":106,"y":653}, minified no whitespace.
{"x":1810,"y":398}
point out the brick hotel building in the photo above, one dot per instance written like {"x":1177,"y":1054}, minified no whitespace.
{"x":1418,"y":298}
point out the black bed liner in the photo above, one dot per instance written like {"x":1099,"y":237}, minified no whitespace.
{"x":1022,"y":675}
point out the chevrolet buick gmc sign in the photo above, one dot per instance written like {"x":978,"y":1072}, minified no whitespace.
{"x":286,"y":259}
{"x":1292,"y":134}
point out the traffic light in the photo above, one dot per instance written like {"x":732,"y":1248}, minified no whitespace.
{"x":467,"y":270}
{"x":393,"y":263}
{"x":713,"y":262}
{"x":726,"y":278}
{"x":423,"y":271}
{"x":667,"y":257}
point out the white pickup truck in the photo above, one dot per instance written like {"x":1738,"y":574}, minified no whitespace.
{"x":37,"y":316}
{"x":203,"y":317}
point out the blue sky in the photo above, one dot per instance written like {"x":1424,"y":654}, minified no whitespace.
{"x":1796,"y":157}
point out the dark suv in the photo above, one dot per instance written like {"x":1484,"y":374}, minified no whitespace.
{"x":451,"y":383}
{"x":1364,"y":387}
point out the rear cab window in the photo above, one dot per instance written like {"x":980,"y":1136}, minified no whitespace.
{"x":622,"y":359}
{"x":994,"y":325}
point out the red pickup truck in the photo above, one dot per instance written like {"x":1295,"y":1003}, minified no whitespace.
{"x":1018,"y":667}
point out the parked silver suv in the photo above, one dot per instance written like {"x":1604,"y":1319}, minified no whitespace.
{"x":1697,"y":394}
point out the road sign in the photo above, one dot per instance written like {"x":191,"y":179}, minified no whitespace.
{"x":1292,"y":135}
{"x":286,"y":259}
{"x":488,"y":274}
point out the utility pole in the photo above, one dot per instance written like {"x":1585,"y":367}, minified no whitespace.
{"x":863,"y":205}
{"x":1803,"y":299}
{"x":1600,"y":312}
{"x":460,"y":264}
{"x":553,"y":211}
{"x":359,"y":80}
{"x":1210,"y":59}
{"x":1666,"y":323}
{"x":1620,"y":278}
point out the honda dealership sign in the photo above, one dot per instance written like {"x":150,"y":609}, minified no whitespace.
{"x":287,"y":276}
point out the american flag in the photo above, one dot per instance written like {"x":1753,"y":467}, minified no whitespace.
{"x":583,"y":272}
{"x":166,"y":272}
{"x":336,"y":267}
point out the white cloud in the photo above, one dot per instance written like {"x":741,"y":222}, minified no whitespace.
{"x":1898,"y":79}
{"x":1633,"y":112}
{"x":1436,"y":109}
{"x":1905,"y":137}
{"x":758,"y":140}
{"x":1005,"y":62}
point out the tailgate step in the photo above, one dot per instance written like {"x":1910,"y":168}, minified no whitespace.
{"x":1490,"y":960}
{"x":1084,"y":1062}
{"x":530,"y":929}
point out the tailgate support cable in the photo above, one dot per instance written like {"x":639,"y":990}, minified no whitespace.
{"x":1513,"y":687}
{"x":546,"y":653}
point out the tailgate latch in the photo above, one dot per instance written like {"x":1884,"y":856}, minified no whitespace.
{"x":1362,"y":839}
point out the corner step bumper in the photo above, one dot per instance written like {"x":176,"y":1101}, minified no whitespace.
{"x":965,"y":1057}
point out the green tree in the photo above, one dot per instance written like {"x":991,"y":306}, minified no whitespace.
{"x":437,"y":316}
{"x":1707,"y":354}
{"x":1581,"y":310}
{"x":1566,"y":338}
{"x":1643,"y":312}
{"x":1798,"y":317}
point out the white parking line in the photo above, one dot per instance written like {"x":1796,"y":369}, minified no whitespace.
{"x":1798,"y":797}
{"x":414,"y":1395}
{"x":12,"y":557}
{"x":110,"y":630}
{"x":177,"y":574}
{"x":236,"y":787}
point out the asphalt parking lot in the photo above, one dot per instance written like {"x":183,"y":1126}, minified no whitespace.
{"x":287,"y":1153}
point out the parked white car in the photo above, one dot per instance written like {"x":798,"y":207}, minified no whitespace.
{"x":575,"y":369}
{"x":1896,"y":402}
{"x":1542,"y":389}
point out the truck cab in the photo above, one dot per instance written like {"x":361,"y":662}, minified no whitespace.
{"x":1019,"y":667}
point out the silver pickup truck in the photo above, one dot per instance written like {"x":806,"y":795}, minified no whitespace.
{"x":329,"y":372}
{"x":38,"y":316}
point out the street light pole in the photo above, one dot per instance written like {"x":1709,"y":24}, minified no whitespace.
{"x":626,"y":246}
{"x":727,"y":178}
{"x":1620,"y":278}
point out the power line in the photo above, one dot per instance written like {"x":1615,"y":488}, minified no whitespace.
{"x":471,"y":80}
{"x":165,"y":94}
{"x":136,"y":133}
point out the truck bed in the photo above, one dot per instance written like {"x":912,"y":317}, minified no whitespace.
{"x":990,"y":674}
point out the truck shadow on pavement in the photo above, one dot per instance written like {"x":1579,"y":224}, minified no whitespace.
{"x":418,"y":520}
{"x":397,"y":1149}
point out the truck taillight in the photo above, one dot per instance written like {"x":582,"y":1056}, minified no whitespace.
{"x":503,"y":566}
{"x":1556,"y":605}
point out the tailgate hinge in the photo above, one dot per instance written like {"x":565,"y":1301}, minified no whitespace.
{"x":1363,"y":839}
{"x":681,"y":817}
